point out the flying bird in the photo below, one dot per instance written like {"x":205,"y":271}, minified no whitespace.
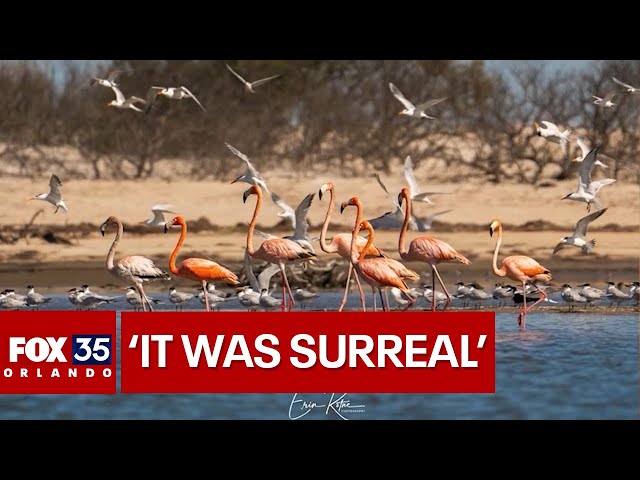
{"x":412,"y":110}
{"x":584,"y":151}
{"x":424,"y":223}
{"x":391,"y":220}
{"x":578,"y":238}
{"x":54,"y":195}
{"x":249,"y":86}
{"x":607,"y":101}
{"x":552,"y":133}
{"x":629,"y":88}
{"x":173,"y":93}
{"x":298,"y":220}
{"x":158,"y":211}
{"x":252,"y":176}
{"x":125,"y":103}
{"x":110,"y":81}
{"x":588,"y":189}
{"x":414,"y":190}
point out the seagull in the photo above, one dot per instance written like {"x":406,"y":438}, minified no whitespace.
{"x":629,"y":88}
{"x":158,"y":211}
{"x":110,"y":81}
{"x":571,"y":297}
{"x":54,"y":195}
{"x":607,"y":101}
{"x":424,"y":223}
{"x":391,"y":220}
{"x":409,"y":108}
{"x":252,"y":176}
{"x":124,"y":103}
{"x":303,"y":296}
{"x":584,"y":150}
{"x":577,"y":239}
{"x":552,"y":133}
{"x":174,"y":93}
{"x":34,"y":299}
{"x":179,"y":298}
{"x":250,"y":85}
{"x":414,"y":190}
{"x":298,"y":220}
{"x":587,"y":189}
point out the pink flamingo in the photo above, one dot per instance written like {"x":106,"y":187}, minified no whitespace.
{"x":427,"y":249}
{"x":341,"y":244}
{"x":277,"y":250}
{"x":378,"y":272}
{"x":519,"y":268}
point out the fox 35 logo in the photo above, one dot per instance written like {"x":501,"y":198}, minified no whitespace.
{"x":88,"y":357}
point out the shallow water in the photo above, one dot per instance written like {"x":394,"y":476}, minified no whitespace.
{"x":565,"y":366}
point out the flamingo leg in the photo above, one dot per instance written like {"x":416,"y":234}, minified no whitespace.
{"x":386,"y":297}
{"x":433,"y":289}
{"x":444,"y":289}
{"x":523,"y":314}
{"x":384,"y":307}
{"x":286,"y":282}
{"x":411,"y":301}
{"x":360,"y":291}
{"x":143,"y":298}
{"x":206,"y":295}
{"x":373,"y":290}
{"x":346,"y":288}
{"x":541,"y":299}
{"x":283,"y":305}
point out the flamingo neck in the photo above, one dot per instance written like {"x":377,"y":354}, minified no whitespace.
{"x":326,"y":247}
{"x":405,"y":224}
{"x":501,"y":272}
{"x":369,"y":228}
{"x":353,"y":250}
{"x":174,"y":254}
{"x":114,"y":246}
{"x":252,"y":225}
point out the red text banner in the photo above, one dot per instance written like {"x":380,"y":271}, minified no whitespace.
{"x":308,"y":352}
{"x":58,"y":352}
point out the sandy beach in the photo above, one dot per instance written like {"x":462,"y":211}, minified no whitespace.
{"x":534,"y":220}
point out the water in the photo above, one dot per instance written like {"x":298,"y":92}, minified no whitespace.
{"x":565,"y":366}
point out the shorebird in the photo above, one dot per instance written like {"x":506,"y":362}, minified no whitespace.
{"x":298,"y":220}
{"x":9,"y":301}
{"x":158,"y":211}
{"x":414,"y":191}
{"x":133,"y":298}
{"x":249,"y":86}
{"x":304,"y":296}
{"x":607,"y":101}
{"x":110,"y":81}
{"x":477,"y":295}
{"x":249,"y":296}
{"x":35,"y":299}
{"x":410,"y":109}
{"x":440,"y":297}
{"x":578,"y":238}
{"x":391,"y":220}
{"x":519,"y":268}
{"x":616,"y":294}
{"x":571,"y":297}
{"x":590,"y":293}
{"x":173,"y":93}
{"x":198,"y":269}
{"x":72,"y":295}
{"x":461,"y":293}
{"x":179,"y":298}
{"x":629,"y":88}
{"x":634,"y":291}
{"x":502,"y":293}
{"x":584,"y":151}
{"x":425,"y":223}
{"x":125,"y":103}
{"x":267,"y":301}
{"x":214,"y":297}
{"x":87,"y":298}
{"x":133,"y":268}
{"x":427,"y":249}
{"x":552,"y":133}
{"x":252,"y":176}
{"x":587,"y":189}
{"x":54,"y":195}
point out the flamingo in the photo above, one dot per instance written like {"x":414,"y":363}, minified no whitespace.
{"x":133,"y":268}
{"x":341,"y":244}
{"x":519,"y":268}
{"x":197,"y":269}
{"x":378,"y":272}
{"x":279,"y":251}
{"x":427,"y":249}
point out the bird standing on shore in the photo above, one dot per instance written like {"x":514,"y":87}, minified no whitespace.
{"x":54,"y":195}
{"x":35,"y":299}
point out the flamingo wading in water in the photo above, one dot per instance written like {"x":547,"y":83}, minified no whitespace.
{"x":520,"y":268}
{"x":378,"y":272}
{"x":341,"y":244}
{"x":279,"y":251}
{"x":197,"y":269}
{"x":133,"y":268}
{"x":427,"y":249}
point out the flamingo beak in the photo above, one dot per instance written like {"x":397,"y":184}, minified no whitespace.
{"x":400,"y":199}
{"x":490,"y":232}
{"x":343,"y":205}
{"x":245,"y":195}
{"x":320,"y":194}
{"x":166,"y":228}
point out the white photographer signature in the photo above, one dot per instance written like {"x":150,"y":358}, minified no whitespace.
{"x":337,"y":403}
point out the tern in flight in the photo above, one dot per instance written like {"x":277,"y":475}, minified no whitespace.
{"x":54,"y":195}
{"x":252,"y":176}
{"x":412,"y":110}
{"x":629,"y":88}
{"x":588,"y":189}
{"x":249,"y":86}
{"x":578,"y":238}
